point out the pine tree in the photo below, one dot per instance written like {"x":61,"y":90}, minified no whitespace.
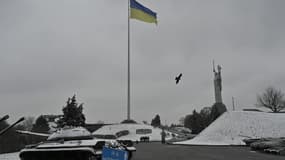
{"x":194,"y":122}
{"x":72,"y":114}
{"x":156,"y":121}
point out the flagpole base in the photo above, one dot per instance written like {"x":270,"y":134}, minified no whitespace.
{"x":129,"y":121}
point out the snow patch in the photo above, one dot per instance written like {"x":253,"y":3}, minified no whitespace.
{"x":69,"y":132}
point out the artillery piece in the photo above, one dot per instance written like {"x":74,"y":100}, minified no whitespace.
{"x":9,"y":127}
{"x":4,"y":118}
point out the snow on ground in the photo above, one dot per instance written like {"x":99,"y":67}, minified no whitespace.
{"x":133,"y":129}
{"x":69,"y":132}
{"x":10,"y":156}
{"x":232,"y":127}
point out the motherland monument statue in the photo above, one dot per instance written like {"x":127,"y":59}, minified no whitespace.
{"x":218,"y":84}
{"x":218,"y":108}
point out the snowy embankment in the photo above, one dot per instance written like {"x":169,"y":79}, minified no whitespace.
{"x":134,"y":135}
{"x":10,"y":156}
{"x":232,"y":127}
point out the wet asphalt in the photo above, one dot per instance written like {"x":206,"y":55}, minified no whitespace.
{"x":158,"y":151}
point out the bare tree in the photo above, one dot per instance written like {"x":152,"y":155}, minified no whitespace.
{"x":100,"y":122}
{"x":28,"y":123}
{"x":181,"y":121}
{"x":271,"y":99}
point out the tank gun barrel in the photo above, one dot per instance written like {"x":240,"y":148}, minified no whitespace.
{"x":4,"y":118}
{"x":7,"y":128}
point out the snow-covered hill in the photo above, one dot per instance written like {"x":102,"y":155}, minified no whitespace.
{"x":135,"y":131}
{"x":232,"y":127}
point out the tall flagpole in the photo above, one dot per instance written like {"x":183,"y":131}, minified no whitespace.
{"x":129,"y":86}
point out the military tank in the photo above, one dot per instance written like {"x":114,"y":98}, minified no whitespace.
{"x":70,"y":143}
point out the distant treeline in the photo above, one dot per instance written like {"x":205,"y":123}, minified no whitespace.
{"x":198,"y":121}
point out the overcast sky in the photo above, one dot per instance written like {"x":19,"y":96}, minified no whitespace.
{"x":52,"y":49}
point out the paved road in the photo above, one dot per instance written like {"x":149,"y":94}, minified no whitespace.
{"x":157,"y":151}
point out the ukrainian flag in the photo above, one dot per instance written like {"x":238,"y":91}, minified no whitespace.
{"x":142,"y":13}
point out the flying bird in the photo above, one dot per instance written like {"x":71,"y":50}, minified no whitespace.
{"x":178,"y":78}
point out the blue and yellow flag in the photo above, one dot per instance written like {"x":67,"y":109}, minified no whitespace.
{"x":142,"y":13}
